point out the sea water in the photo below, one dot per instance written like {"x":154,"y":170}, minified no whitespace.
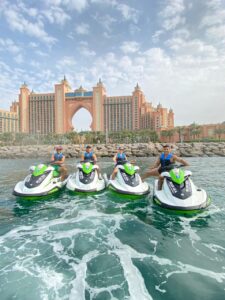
{"x":107,"y":246}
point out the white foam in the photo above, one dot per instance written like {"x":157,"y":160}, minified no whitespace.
{"x":214,"y":247}
{"x":185,"y":268}
{"x":79,"y":283}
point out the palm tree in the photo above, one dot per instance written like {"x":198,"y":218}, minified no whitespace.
{"x":195,"y":130}
{"x":180,"y":130}
{"x":167,"y":133}
{"x":219,"y":131}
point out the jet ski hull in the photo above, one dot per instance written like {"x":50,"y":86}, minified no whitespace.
{"x":75,"y":185}
{"x":128,"y":184}
{"x":49,"y":186}
{"x":196,"y":202}
{"x":143,"y":189}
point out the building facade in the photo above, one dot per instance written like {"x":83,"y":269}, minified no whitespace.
{"x":8,"y":121}
{"x":194,"y":132}
{"x":53,"y":112}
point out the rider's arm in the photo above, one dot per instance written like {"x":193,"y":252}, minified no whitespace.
{"x":52,"y":158}
{"x":180,"y":160}
{"x":82,"y":157}
{"x":95,"y":158}
{"x":114,"y":158}
{"x":59,"y":162}
{"x":156,"y":164}
{"x":63,"y":159}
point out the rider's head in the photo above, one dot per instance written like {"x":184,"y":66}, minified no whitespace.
{"x":88,"y":148}
{"x":120,"y":149}
{"x":166,"y":148}
{"x":58,"y":148}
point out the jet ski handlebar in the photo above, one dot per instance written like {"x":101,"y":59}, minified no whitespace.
{"x":122,"y":162}
{"x":172,"y":166}
{"x":179,"y":166}
{"x":88,"y":160}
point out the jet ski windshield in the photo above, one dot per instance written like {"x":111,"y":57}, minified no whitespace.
{"x":34,"y":181}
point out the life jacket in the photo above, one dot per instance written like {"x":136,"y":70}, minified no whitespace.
{"x":88,"y":156}
{"x":58,"y":156}
{"x":165,"y":161}
{"x":120,"y":157}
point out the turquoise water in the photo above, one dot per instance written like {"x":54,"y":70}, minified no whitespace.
{"x":104,"y":246}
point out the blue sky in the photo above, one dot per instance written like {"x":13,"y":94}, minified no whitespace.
{"x":174,"y":49}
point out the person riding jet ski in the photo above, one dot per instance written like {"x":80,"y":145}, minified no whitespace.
{"x":57,"y":161}
{"x":125,"y":179}
{"x":88,"y":177}
{"x":44,"y":179}
{"x":163,"y":163}
{"x":118,"y":159}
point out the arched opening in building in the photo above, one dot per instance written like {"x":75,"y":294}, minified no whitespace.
{"x":82,"y":120}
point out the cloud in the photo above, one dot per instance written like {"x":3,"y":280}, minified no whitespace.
{"x":216,"y":33}
{"x":19,"y":59}
{"x":213,"y":22}
{"x":214,"y":18}
{"x":172,"y":14}
{"x":33,"y":45}
{"x":56,"y":15}
{"x":35,"y":64}
{"x":130,"y":47}
{"x":106,"y":21}
{"x":173,"y":8}
{"x":128,"y":12}
{"x":78,"y":5}
{"x":66,"y":61}
{"x":17,"y":22}
{"x":156,"y":35}
{"x":87,"y":52}
{"x":10,"y":46}
{"x":30,"y":11}
{"x":41,"y":53}
{"x":82,"y":29}
{"x":172,"y":23}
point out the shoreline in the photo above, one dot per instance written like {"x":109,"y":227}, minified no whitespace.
{"x":200,"y":149}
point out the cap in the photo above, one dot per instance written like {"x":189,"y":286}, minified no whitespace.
{"x":120,"y":148}
{"x":58,"y":147}
{"x":166,"y":146}
{"x":88,"y":146}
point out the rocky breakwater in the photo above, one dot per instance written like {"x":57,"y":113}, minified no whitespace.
{"x":103,"y":150}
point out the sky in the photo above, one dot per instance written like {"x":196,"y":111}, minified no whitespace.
{"x":174,"y":49}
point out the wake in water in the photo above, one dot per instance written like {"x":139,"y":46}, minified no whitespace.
{"x":105,"y":247}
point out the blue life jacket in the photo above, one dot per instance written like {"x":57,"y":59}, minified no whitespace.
{"x":120,"y":157}
{"x":88,"y":156}
{"x":165,"y":161}
{"x":58,"y":156}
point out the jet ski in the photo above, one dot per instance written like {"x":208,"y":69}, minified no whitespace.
{"x":128,"y":181}
{"x":43,"y":180}
{"x":179,"y":192}
{"x":86,"y":178}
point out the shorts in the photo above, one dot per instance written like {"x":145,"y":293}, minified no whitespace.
{"x":165,"y":169}
{"x":56,"y":168}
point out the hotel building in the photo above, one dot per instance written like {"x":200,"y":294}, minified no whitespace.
{"x":53,"y":112}
{"x":9,"y":121}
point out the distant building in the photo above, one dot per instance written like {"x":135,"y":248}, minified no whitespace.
{"x":194,"y":132}
{"x":53,"y":112}
{"x":9,"y":121}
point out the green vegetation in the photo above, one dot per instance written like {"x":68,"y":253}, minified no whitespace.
{"x":85,"y":137}
{"x":191,"y":133}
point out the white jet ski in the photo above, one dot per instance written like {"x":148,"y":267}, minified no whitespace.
{"x":86,"y":178}
{"x":179,"y":192}
{"x":43,"y":180}
{"x":128,"y":181}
